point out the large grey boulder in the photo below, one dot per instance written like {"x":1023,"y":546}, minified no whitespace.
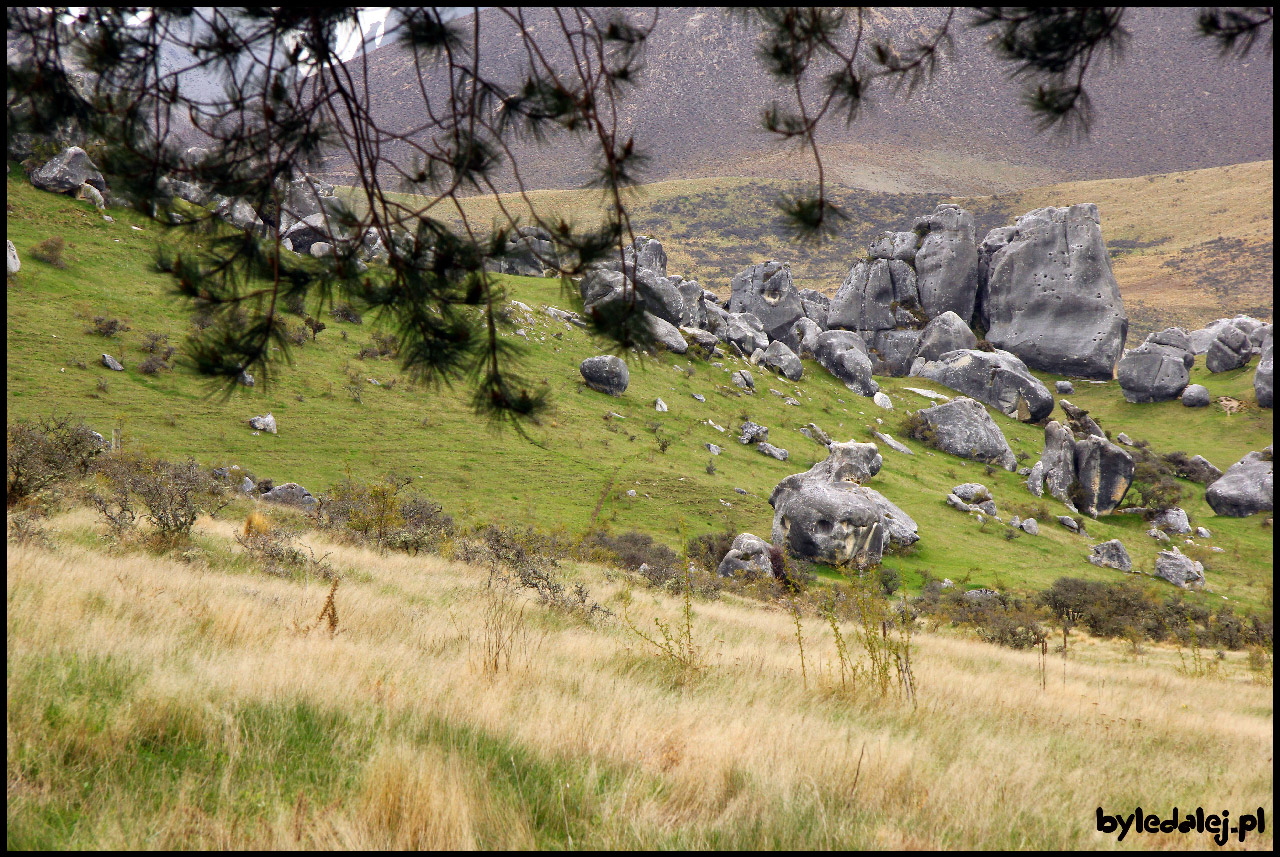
{"x":313,"y":229}
{"x":1055,"y":472}
{"x":606,"y":373}
{"x":241,"y":215}
{"x":693,"y":310}
{"x":891,"y":351}
{"x":996,"y":378}
{"x":767,"y":292}
{"x":863,"y":300}
{"x":1229,"y":350}
{"x":1263,"y":376}
{"x":844,"y":354}
{"x":806,"y":331}
{"x":304,"y":198}
{"x":66,"y":172}
{"x":290,"y":494}
{"x":1258,"y":337}
{"x":944,"y":333}
{"x":947,"y":262}
{"x":895,"y":245}
{"x":1173,"y":521}
{"x":1111,"y":555}
{"x":1246,"y":488}
{"x":783,"y":360}
{"x":747,"y":557}
{"x":666,"y":334}
{"x":705,"y":340}
{"x":1177,"y":339}
{"x":647,"y":253}
{"x":1051,"y":297}
{"x":963,"y":427}
{"x":816,"y":306}
{"x":646,"y":288}
{"x":1153,"y":373}
{"x":994,"y":242}
{"x":527,"y":254}
{"x":747,"y":332}
{"x":11,"y":261}
{"x":752,"y":432}
{"x":1196,"y":396}
{"x":1104,"y":473}
{"x":825,"y":514}
{"x":1178,"y":569}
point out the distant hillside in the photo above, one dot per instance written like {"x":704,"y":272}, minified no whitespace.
{"x":1186,"y":247}
{"x":1170,"y":103}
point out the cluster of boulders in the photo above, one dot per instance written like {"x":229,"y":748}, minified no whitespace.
{"x":1080,"y":466}
{"x":1159,"y":370}
{"x":827,"y":513}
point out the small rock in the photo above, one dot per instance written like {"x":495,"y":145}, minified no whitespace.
{"x":1064,"y":387}
{"x":660,"y":406}
{"x":1203,"y":533}
{"x":1111,"y":555}
{"x":700,"y":397}
{"x":1030,"y":527}
{"x":112,"y":363}
{"x":790,"y":401}
{"x":753,"y":433}
{"x":1178,"y":569}
{"x":740,"y":490}
{"x":972,"y":492}
{"x":772,"y":451}
{"x":264,"y":423}
{"x":1069,"y":523}
{"x":742,"y":378}
{"x":888,"y":441}
{"x":1173,"y":521}
{"x":12,"y":259}
{"x":715,"y":450}
{"x":1196,"y":396}
{"x":1125,"y":439}
{"x":1158,"y":535}
{"x":290,"y":494}
{"x":883,"y":401}
{"x":631,"y":492}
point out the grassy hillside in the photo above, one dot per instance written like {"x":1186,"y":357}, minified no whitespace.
{"x":576,"y":467}
{"x":172,"y":703}
{"x":1186,"y":247}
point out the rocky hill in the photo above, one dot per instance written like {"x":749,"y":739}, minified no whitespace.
{"x":1169,"y":102}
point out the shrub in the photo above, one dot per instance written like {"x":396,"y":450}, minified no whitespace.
{"x":40,"y":455}
{"x":890,"y":580}
{"x":633,"y":549}
{"x":154,"y":343}
{"x":314,"y":326}
{"x":49,"y":251}
{"x":297,"y":335}
{"x":345,"y":312}
{"x":174,"y":494}
{"x":376,"y":511}
{"x":984,"y":345}
{"x":153,"y":364}
{"x":917,"y":427}
{"x":104,"y":326}
{"x":296,"y":303}
{"x":707,"y":550}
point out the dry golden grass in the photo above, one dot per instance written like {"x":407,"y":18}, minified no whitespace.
{"x":589,"y":742}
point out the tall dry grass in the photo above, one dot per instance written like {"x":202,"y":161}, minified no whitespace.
{"x":161,"y":702}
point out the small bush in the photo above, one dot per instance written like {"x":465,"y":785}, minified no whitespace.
{"x":174,"y":494}
{"x":153,"y":364}
{"x":984,"y":345}
{"x":707,"y":550}
{"x":42,"y":454}
{"x":296,"y":303}
{"x":50,"y":251}
{"x":345,"y":312}
{"x":154,"y":343}
{"x":314,"y":326}
{"x":104,"y":326}
{"x":890,"y":580}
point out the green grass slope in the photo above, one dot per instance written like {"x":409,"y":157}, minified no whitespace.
{"x":574,"y":469}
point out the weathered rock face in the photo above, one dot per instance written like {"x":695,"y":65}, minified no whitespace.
{"x":11,"y":261}
{"x":1079,"y":421}
{"x":1176,"y":338}
{"x":290,"y":494}
{"x":605,"y":373}
{"x":844,"y":354}
{"x":1229,"y":350}
{"x":1051,"y":297}
{"x":651,"y":291}
{"x":1111,"y":555}
{"x":1056,"y":470}
{"x":743,"y":380}
{"x":895,"y":245}
{"x":1153,"y":373}
{"x":1263,"y":377}
{"x":816,"y":306}
{"x":824,"y":514}
{"x":1247,"y":487}
{"x":1104,"y":472}
{"x":806,"y":331}
{"x":863,"y":300}
{"x":947,"y":262}
{"x":746,"y":331}
{"x":528,"y":253}
{"x":647,"y":253}
{"x":766,"y":291}
{"x":997,"y":378}
{"x":666,"y":334}
{"x":693,"y":310}
{"x":783,"y":360}
{"x":112,"y":363}
{"x":1179,"y":570}
{"x":67,"y":172}
{"x":748,"y":557}
{"x":1173,"y":521}
{"x":1201,"y":339}
{"x":963,"y":427}
{"x":304,"y":198}
{"x":1196,"y":396}
{"x":241,"y":215}
{"x":753,"y":433}
{"x":891,"y":351}
{"x":946,"y":332}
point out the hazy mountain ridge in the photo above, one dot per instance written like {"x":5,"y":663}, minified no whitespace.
{"x":1170,"y":103}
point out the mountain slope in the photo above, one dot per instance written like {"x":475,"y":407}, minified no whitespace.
{"x":1168,"y":103}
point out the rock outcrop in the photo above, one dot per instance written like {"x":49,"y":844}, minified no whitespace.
{"x":767,"y":292}
{"x":844,"y":354}
{"x":290,"y":494}
{"x":946,"y":264}
{"x":1153,"y":373}
{"x":1229,"y":350}
{"x":1089,"y":474}
{"x":66,"y":172}
{"x":1178,"y":569}
{"x":1263,"y":376}
{"x":783,"y":360}
{"x":1246,"y":488}
{"x":963,"y":427}
{"x":1111,"y":555}
{"x":1051,"y":297}
{"x":944,"y":333}
{"x":996,"y":378}
{"x":606,"y":373}
{"x":747,"y":557}
{"x":11,"y":259}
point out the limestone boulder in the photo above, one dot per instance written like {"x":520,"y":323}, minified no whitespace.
{"x":783,"y":360}
{"x":1177,"y":339}
{"x":1104,"y":473}
{"x":13,"y":265}
{"x":1200,"y":469}
{"x":606,"y":373}
{"x":1196,"y":396}
{"x":66,"y":172}
{"x":768,"y":293}
{"x":1180,"y":570}
{"x":647,"y":253}
{"x":1263,"y":376}
{"x":944,"y":333}
{"x":747,"y":332}
{"x":112,"y":363}
{"x":806,"y":332}
{"x":864,"y":300}
{"x":290,"y":494}
{"x":946,"y":263}
{"x":836,"y":524}
{"x":1229,"y":350}
{"x":1111,"y":555}
{"x":1173,"y":521}
{"x":1051,"y":297}
{"x":816,"y":306}
{"x":265,"y":423}
{"x":996,"y":378}
{"x":844,"y":354}
{"x":748,"y":557}
{"x":1153,"y":373}
{"x":666,"y":334}
{"x":1246,"y":488}
{"x":963,"y":427}
{"x":901,"y":246}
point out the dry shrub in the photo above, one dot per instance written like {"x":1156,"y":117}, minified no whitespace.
{"x":49,"y":451}
{"x":49,"y":251}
